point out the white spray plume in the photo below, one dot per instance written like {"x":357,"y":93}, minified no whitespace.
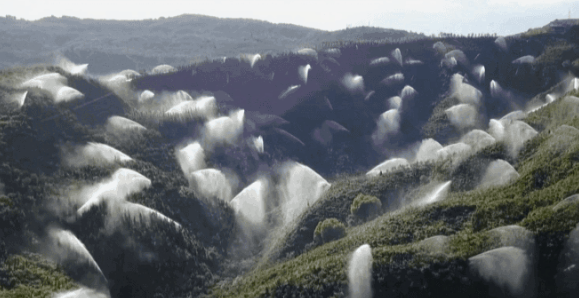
{"x":258,"y":144}
{"x":333,"y":52}
{"x":381,"y":60}
{"x":437,"y":194}
{"x":325,"y":133}
{"x":360,"y":272}
{"x":94,"y":154}
{"x":462,"y":115}
{"x":19,"y":98}
{"x":250,"y":202}
{"x":427,"y":150}
{"x":501,"y":42}
{"x":81,"y":293}
{"x":516,"y":134}
{"x":64,"y":248}
{"x":512,"y":116}
{"x":55,"y":84}
{"x":354,"y":83}
{"x":146,"y":96}
{"x":136,"y":212}
{"x":163,"y":69}
{"x":191,"y":158}
{"x":70,"y":67}
{"x":224,"y":130}
{"x":288,"y":91}
{"x":449,"y":63}
{"x":303,"y":72}
{"x":308,"y":52}
{"x":251,"y":58}
{"x":408,"y":93}
{"x":458,"y":55}
{"x":300,"y":187}
{"x":387,"y":166}
{"x":514,"y":235}
{"x":478,"y":139}
{"x":211,"y":183}
{"x":498,"y":173}
{"x":129,"y":73}
{"x":436,"y":244}
{"x":204,"y":107}
{"x":387,"y":124}
{"x":117,"y":124}
{"x":465,"y":93}
{"x":508,"y":267}
{"x":496,"y":129}
{"x":67,"y":246}
{"x":397,"y":55}
{"x":397,"y":78}
{"x":456,"y":151}
{"x":496,"y":89}
{"x":411,"y":61}
{"x":574,"y":85}
{"x":479,"y":73}
{"x":369,"y":95}
{"x":115,"y":189}
{"x":439,"y":47}
{"x":395,"y":102}
{"x":66,"y":94}
{"x":524,"y":60}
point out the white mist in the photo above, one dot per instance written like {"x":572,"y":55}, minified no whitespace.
{"x":360,"y":272}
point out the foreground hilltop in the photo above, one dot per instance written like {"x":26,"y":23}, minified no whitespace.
{"x":430,"y":167}
{"x":110,"y":45}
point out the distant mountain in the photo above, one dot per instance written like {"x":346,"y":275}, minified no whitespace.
{"x":110,"y":45}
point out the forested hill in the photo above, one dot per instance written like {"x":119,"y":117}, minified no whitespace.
{"x":110,"y":45}
{"x":432,"y":167}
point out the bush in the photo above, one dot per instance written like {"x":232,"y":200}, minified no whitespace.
{"x":329,"y":230}
{"x":365,"y":207}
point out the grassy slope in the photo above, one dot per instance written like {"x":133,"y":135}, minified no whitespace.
{"x":31,"y":275}
{"x":548,"y":174}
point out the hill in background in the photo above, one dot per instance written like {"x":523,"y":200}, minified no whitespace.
{"x":109,"y":45}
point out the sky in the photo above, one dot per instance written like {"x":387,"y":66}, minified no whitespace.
{"x":503,"y":17}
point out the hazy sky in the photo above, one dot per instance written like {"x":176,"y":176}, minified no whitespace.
{"x":427,"y":16}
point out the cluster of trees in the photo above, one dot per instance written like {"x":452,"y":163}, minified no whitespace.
{"x":138,"y":260}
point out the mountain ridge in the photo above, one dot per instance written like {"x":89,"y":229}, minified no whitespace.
{"x":144,"y":44}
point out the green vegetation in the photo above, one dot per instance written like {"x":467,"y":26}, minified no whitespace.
{"x":438,"y":125}
{"x":329,"y":230}
{"x":536,"y":32}
{"x":365,"y":207}
{"x":548,"y":175}
{"x":32,"y":276}
{"x":310,"y":256}
{"x":555,"y":53}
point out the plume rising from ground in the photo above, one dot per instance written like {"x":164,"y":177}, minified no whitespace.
{"x":94,"y":154}
{"x":301,"y":187}
{"x":360,"y":272}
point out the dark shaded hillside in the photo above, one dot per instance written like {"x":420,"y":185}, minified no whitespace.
{"x":108,"y":45}
{"x":258,"y":88}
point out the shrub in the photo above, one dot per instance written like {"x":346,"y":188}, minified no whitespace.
{"x":329,"y":230}
{"x":365,"y":207}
